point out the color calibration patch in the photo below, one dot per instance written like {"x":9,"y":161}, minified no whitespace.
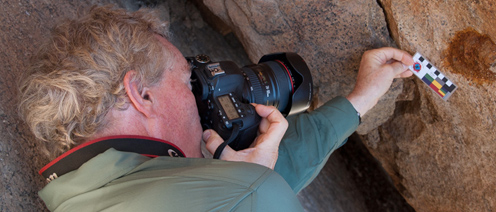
{"x":432,"y":77}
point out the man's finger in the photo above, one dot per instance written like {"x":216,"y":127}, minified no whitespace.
{"x":388,"y":53}
{"x":405,"y":74}
{"x":398,"y":68}
{"x":271,"y":116}
{"x":213,"y":141}
{"x":273,"y":124}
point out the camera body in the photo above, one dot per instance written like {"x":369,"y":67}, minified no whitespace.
{"x":223,"y":93}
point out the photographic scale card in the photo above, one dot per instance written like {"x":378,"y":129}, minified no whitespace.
{"x":432,"y":77}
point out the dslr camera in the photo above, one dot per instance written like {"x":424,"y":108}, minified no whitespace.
{"x":223,"y":93}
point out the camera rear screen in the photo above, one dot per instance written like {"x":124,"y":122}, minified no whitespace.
{"x":228,"y":107}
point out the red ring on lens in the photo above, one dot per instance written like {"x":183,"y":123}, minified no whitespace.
{"x":289,"y":74}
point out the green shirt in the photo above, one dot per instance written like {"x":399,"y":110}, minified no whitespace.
{"x":124,"y":181}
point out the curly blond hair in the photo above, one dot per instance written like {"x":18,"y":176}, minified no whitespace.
{"x":77,"y":76}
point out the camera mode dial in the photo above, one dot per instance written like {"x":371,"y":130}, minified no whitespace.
{"x":202,"y":58}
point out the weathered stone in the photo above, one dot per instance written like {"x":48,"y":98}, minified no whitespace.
{"x":442,"y":154}
{"x":330,"y":35}
{"x":24,"y":25}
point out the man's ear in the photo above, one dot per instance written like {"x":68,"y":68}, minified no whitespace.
{"x":140,"y":100}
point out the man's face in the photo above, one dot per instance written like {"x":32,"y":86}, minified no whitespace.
{"x":178,"y":120}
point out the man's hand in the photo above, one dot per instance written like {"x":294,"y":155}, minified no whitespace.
{"x":377,"y":70}
{"x":264,"y":150}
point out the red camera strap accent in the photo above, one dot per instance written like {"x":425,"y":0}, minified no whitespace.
{"x":74,"y":158}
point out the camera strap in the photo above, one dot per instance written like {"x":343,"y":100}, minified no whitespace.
{"x":234,"y":134}
{"x":77,"y":156}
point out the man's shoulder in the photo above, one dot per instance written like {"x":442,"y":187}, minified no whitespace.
{"x":199,"y":184}
{"x":139,"y":183}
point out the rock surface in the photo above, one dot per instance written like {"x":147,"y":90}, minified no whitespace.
{"x":441,"y":154}
{"x":24,"y":24}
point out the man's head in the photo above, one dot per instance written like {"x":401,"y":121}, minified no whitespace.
{"x":76,"y":87}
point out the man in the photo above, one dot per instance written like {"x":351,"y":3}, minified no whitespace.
{"x":111,"y":98}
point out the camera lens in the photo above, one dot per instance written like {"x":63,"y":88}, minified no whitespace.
{"x":282,"y":80}
{"x":269,"y":83}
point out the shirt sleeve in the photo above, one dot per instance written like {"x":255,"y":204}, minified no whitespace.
{"x":311,"y":138}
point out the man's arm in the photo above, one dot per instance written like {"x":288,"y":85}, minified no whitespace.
{"x":311,"y":138}
{"x":377,"y":70}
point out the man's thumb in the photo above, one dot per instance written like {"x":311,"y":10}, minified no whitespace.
{"x":212,"y":140}
{"x":398,"y":68}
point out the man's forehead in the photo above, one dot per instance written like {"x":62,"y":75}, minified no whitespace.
{"x":163,"y":40}
{"x":177,"y":61}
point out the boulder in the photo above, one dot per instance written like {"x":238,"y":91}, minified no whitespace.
{"x":442,"y":154}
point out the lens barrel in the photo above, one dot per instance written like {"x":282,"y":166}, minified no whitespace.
{"x":282,"y":80}
{"x":268,"y":84}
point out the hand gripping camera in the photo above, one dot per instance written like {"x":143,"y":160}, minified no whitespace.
{"x":224,"y":92}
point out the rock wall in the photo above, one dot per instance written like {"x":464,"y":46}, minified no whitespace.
{"x":24,"y":25}
{"x":440,"y":154}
